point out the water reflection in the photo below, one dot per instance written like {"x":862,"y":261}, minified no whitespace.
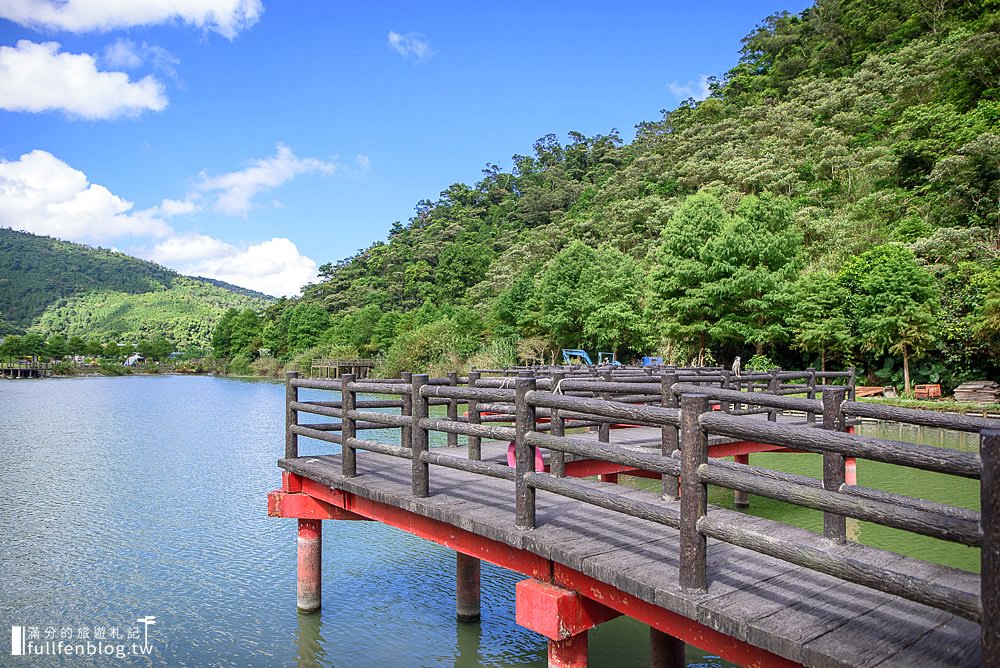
{"x":309,"y":641}
{"x":470,"y":642}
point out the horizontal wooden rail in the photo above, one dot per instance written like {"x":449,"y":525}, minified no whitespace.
{"x":754,"y":398}
{"x":470,"y":465}
{"x":747,"y":479}
{"x":466,"y":429}
{"x":387,"y":419}
{"x":473,"y":393}
{"x":378,"y":388}
{"x":926,"y":457}
{"x":630,"y":413}
{"x":861,"y":492}
{"x":818,"y":554}
{"x":381,"y":448}
{"x":919,"y":417}
{"x":580,"y":490}
{"x":328,"y":436}
{"x":608,"y":452}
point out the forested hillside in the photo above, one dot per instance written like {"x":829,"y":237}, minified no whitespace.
{"x":834,"y":201}
{"x":54,"y":287}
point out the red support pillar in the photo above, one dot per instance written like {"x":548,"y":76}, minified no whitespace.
{"x":561,"y":615}
{"x":850,"y":471}
{"x":741,"y":499}
{"x":467,"y":574}
{"x":310,"y":568}
{"x":608,"y":477}
{"x":665,"y":651}
{"x":569,"y":653}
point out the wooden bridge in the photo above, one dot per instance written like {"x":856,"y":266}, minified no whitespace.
{"x":25,"y":370}
{"x":755,"y":591}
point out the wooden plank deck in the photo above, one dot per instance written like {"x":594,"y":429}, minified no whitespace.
{"x":791,"y":611}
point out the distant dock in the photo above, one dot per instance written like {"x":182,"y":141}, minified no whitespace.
{"x":25,"y":370}
{"x":335,"y":368}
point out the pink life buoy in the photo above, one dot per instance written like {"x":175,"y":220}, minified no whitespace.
{"x":512,"y":458}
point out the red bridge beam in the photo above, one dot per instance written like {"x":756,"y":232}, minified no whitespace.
{"x":540,"y":568}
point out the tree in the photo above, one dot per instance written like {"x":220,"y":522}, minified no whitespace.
{"x":76,"y":345}
{"x":894,"y":303}
{"x":750,"y":263}
{"x":306,"y":324}
{"x":819,"y":319}
{"x":33,"y":345}
{"x":678,"y":303}
{"x":12,"y":346}
{"x":512,"y":309}
{"x":56,"y":348}
{"x":615,"y":291}
{"x":564,"y":302}
{"x":222,"y":335}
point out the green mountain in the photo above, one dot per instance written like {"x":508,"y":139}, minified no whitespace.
{"x":56,"y":287}
{"x":833,"y":199}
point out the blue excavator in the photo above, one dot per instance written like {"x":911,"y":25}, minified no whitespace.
{"x":603,"y":359}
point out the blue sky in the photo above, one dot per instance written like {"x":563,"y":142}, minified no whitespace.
{"x":252,"y":141}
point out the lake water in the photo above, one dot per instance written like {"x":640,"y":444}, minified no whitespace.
{"x":124,"y":498}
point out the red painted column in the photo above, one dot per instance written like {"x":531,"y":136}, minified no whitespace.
{"x":569,"y":653}
{"x":850,"y":471}
{"x":467,"y":572}
{"x":850,"y":466}
{"x":608,"y":477}
{"x":561,"y":615}
{"x":310,"y":568}
{"x":741,"y":499}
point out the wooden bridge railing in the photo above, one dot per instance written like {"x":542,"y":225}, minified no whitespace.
{"x":683,"y":411}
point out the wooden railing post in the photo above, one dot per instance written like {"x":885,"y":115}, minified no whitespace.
{"x":348,"y":399}
{"x":475,"y":442}
{"x":834,"y":526}
{"x":420,"y":469}
{"x":453,"y":409}
{"x":668,"y":434}
{"x":774,"y":387}
{"x":524,"y":454}
{"x":852,"y":382}
{"x":694,"y":494}
{"x":557,"y":466}
{"x":725,"y":384}
{"x":291,"y":416}
{"x":604,"y":429}
{"x":811,"y":394}
{"x":406,"y":433}
{"x":989,"y":453}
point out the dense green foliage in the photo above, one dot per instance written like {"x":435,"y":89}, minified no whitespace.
{"x":837,"y":197}
{"x":186,"y":312}
{"x":59,"y":288}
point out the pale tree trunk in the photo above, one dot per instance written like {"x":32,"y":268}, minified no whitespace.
{"x":906,"y":371}
{"x":822,"y":360}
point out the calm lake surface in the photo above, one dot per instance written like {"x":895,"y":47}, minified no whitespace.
{"x":123,"y":498}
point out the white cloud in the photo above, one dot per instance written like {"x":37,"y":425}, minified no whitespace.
{"x":126,"y":54}
{"x":41,"y":194}
{"x":37,"y":77}
{"x":232,"y":193}
{"x":274,"y":267}
{"x":412,"y":46}
{"x":364,"y":163}
{"x":189,"y":248}
{"x":226,"y":17}
{"x":699,"y":89}
{"x":173,"y":207}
